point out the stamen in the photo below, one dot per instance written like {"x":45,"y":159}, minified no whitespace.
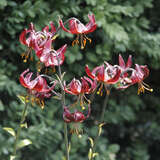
{"x":82,"y":45}
{"x":100,"y":91}
{"x":81,"y":103}
{"x":89,"y":39}
{"x":39,"y":67}
{"x":142,"y":86}
{"x":27,"y":99}
{"x":83,"y":40}
{"x":76,"y":41}
{"x":26,"y":55}
{"x":32,"y":101}
{"x":55,"y":36}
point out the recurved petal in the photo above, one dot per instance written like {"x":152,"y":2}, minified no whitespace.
{"x":74,"y":26}
{"x":63,"y":27}
{"x":22,"y":79}
{"x":145,"y":70}
{"x":91,"y":26}
{"x":115,"y":78}
{"x":53,"y":28}
{"x":22,"y":37}
{"x":129,"y":62}
{"x":89,"y":73}
{"x":121,"y":61}
{"x":139,"y":72}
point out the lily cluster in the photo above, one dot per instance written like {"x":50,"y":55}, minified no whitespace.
{"x":101,"y":77}
{"x":122,"y":75}
{"x":41,"y":43}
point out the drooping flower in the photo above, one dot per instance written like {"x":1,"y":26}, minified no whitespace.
{"x":35,"y":40}
{"x":75,"y":87}
{"x":137,"y":76}
{"x":37,"y":88}
{"x":51,"y":57}
{"x":75,"y":118}
{"x":140,"y":73}
{"x":78,"y":28}
{"x":104,"y":74}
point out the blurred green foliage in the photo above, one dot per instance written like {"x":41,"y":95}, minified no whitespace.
{"x":128,"y":27}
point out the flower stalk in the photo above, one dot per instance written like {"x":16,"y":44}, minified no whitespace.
{"x":100,"y":124}
{"x":63,"y":104}
{"x":19,"y":128}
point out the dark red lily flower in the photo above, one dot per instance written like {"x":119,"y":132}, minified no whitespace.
{"x":78,"y":28}
{"x":37,"y":87}
{"x":75,"y":116}
{"x":105,"y":75}
{"x":138,"y":75}
{"x":86,"y":86}
{"x":39,"y":84}
{"x":109,"y":74}
{"x":76,"y":87}
{"x":49,"y":56}
{"x":35,"y":39}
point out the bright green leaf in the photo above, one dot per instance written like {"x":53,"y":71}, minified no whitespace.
{"x":23,"y":143}
{"x":10,"y":130}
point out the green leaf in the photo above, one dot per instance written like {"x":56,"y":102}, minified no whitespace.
{"x":10,"y":130}
{"x":22,"y":99}
{"x":3,"y":3}
{"x":12,"y":157}
{"x":116,"y":32}
{"x":23,"y":143}
{"x":114,"y":148}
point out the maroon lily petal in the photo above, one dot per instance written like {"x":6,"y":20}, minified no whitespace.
{"x":63,"y":27}
{"x":121,"y":61}
{"x":129,"y":62}
{"x":91,"y":26}
{"x":22,"y":37}
{"x":89,"y":73}
{"x":115,"y":78}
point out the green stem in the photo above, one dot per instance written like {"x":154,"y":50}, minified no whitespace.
{"x":66,"y":140}
{"x":63,"y":104}
{"x":19,"y":129}
{"x":101,"y":121}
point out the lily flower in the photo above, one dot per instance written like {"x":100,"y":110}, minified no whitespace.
{"x":137,"y":76}
{"x":37,"y":87}
{"x":140,"y":73}
{"x":76,"y":117}
{"x":49,"y":56}
{"x":78,"y":28}
{"x":35,"y":39}
{"x":75,"y":87}
{"x":104,"y":74}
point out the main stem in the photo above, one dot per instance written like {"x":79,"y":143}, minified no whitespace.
{"x":19,"y":129}
{"x":63,"y":104}
{"x":100,"y":121}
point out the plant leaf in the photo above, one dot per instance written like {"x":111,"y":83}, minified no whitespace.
{"x":23,"y":143}
{"x":10,"y":130}
{"x":22,"y":99}
{"x":12,"y":157}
